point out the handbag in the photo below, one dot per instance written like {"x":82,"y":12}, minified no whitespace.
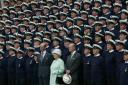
{"x":59,"y":80}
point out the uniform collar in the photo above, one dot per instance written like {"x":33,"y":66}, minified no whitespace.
{"x":110,"y":51}
{"x":78,"y":43}
{"x":57,"y":46}
{"x":88,"y":55}
{"x":97,"y":55}
{"x":126,"y":61}
{"x":121,"y":50}
{"x":20,"y":57}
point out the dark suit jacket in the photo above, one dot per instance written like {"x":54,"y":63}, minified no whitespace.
{"x":44,"y":66}
{"x":73,"y":65}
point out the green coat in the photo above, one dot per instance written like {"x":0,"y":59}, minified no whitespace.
{"x":57,"y":69}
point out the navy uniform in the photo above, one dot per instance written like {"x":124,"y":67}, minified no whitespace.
{"x":111,"y":27}
{"x":124,"y":70}
{"x":87,"y":65}
{"x":47,"y":41}
{"x":110,"y":64}
{"x":87,"y":39}
{"x":30,"y":66}
{"x":2,"y":69}
{"x":123,"y":24}
{"x":36,"y":44}
{"x":56,"y":43}
{"x":108,"y":13}
{"x":123,"y":37}
{"x":119,"y":57}
{"x":79,"y":45}
{"x":65,"y":51}
{"x":20,"y":68}
{"x":11,"y":60}
{"x":97,"y":66}
{"x":99,"y":39}
{"x":117,"y":6}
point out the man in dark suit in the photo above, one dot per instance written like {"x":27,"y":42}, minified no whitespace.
{"x":73,"y":64}
{"x":11,"y":59}
{"x":20,"y":68}
{"x":45,"y":60}
{"x":30,"y":66}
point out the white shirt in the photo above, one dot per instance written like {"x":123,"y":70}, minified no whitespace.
{"x":73,"y":53}
{"x":43,"y":54}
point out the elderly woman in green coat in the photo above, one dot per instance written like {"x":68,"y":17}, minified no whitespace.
{"x":57,"y":67}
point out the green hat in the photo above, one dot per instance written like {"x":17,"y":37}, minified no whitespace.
{"x":109,"y":33}
{"x":112,"y":42}
{"x":55,"y":30}
{"x":9,"y":43}
{"x":2,"y":43}
{"x":37,"y":39}
{"x":57,"y":39}
{"x":28,"y":33}
{"x":84,"y":12}
{"x":17,"y":41}
{"x":75,"y":27}
{"x":125,"y":52}
{"x":117,"y":5}
{"x":1,"y":52}
{"x":106,"y":6}
{"x":87,"y":37}
{"x":87,"y":27}
{"x":68,"y":39}
{"x":88,"y":46}
{"x":95,"y":9}
{"x":118,"y":42}
{"x":102,"y":18}
{"x":96,"y":46}
{"x":12,"y":48}
{"x":99,"y":34}
{"x":27,"y":42}
{"x":123,"y":22}
{"x":46,"y":40}
{"x":110,"y":21}
{"x":92,"y":17}
{"x":77,"y":36}
{"x":2,"y":36}
{"x":123,"y":32}
{"x":39,"y":33}
{"x":97,"y":23}
{"x":30,"y":49}
{"x":87,"y":1}
{"x":20,"y":51}
{"x":12,"y":37}
{"x":69,"y":19}
{"x":114,"y":17}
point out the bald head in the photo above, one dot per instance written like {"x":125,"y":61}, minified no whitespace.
{"x":43,"y":46}
{"x":72,"y":47}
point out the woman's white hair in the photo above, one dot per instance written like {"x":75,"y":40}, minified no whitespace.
{"x":57,"y":51}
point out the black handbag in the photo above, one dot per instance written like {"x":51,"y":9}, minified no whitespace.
{"x":59,"y":80}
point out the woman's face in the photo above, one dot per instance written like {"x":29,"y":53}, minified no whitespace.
{"x":55,"y":56}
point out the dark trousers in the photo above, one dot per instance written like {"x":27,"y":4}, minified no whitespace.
{"x":74,"y":82}
{"x":43,"y":81}
{"x":29,"y":81}
{"x":97,"y":82}
{"x":20,"y":81}
{"x":11,"y":81}
{"x":2,"y":81}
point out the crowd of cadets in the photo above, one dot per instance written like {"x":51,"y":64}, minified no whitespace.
{"x":99,"y":28}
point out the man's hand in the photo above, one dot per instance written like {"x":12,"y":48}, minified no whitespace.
{"x":67,"y":71}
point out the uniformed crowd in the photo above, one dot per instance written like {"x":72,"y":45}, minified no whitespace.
{"x":86,"y":39}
